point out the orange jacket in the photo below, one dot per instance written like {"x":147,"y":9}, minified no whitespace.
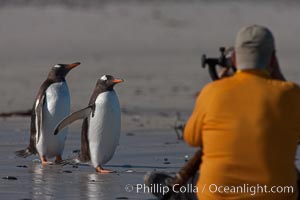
{"x":248,"y":126}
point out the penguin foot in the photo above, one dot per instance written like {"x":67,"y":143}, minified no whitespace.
{"x":47,"y":163}
{"x":58,"y":160}
{"x":100,"y":170}
{"x":44,"y":161}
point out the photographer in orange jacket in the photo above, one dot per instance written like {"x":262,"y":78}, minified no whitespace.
{"x":248,"y":126}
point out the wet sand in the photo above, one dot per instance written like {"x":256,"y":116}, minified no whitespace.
{"x":139,"y":151}
{"x":155,"y":47}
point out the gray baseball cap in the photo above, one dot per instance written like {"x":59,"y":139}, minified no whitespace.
{"x":254,"y":46}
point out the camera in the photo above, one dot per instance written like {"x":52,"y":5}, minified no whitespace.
{"x":221,"y":66}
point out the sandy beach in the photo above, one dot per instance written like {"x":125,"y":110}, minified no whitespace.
{"x":156,"y":47}
{"x":133,"y":158}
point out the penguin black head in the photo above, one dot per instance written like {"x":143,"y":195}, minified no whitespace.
{"x":59,"y":71}
{"x":109,"y":81}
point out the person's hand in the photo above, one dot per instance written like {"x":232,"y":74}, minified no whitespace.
{"x":224,"y":73}
{"x":274,"y":68}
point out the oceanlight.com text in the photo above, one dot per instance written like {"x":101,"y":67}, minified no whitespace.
{"x":212,"y":188}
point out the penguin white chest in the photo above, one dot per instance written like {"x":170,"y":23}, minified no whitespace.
{"x":56,"y":108}
{"x":104,"y":128}
{"x":58,"y":100}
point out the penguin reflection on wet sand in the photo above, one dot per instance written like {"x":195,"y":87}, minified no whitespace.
{"x":101,"y":124}
{"x":51,"y":105}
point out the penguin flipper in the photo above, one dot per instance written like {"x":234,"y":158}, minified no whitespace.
{"x":84,"y":154}
{"x":39,"y":115}
{"x":81,"y":114}
{"x":36,"y":123}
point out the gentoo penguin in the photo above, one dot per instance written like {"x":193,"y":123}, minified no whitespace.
{"x":101,"y":124}
{"x":51,"y":105}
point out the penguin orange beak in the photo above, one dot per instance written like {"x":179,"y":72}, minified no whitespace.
{"x":117,"y":81}
{"x":71,"y":66}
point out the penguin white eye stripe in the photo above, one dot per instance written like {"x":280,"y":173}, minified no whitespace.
{"x":57,"y":66}
{"x":104,"y":78}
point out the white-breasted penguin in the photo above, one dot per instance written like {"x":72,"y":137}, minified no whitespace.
{"x":52,"y":104}
{"x":101,"y":124}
